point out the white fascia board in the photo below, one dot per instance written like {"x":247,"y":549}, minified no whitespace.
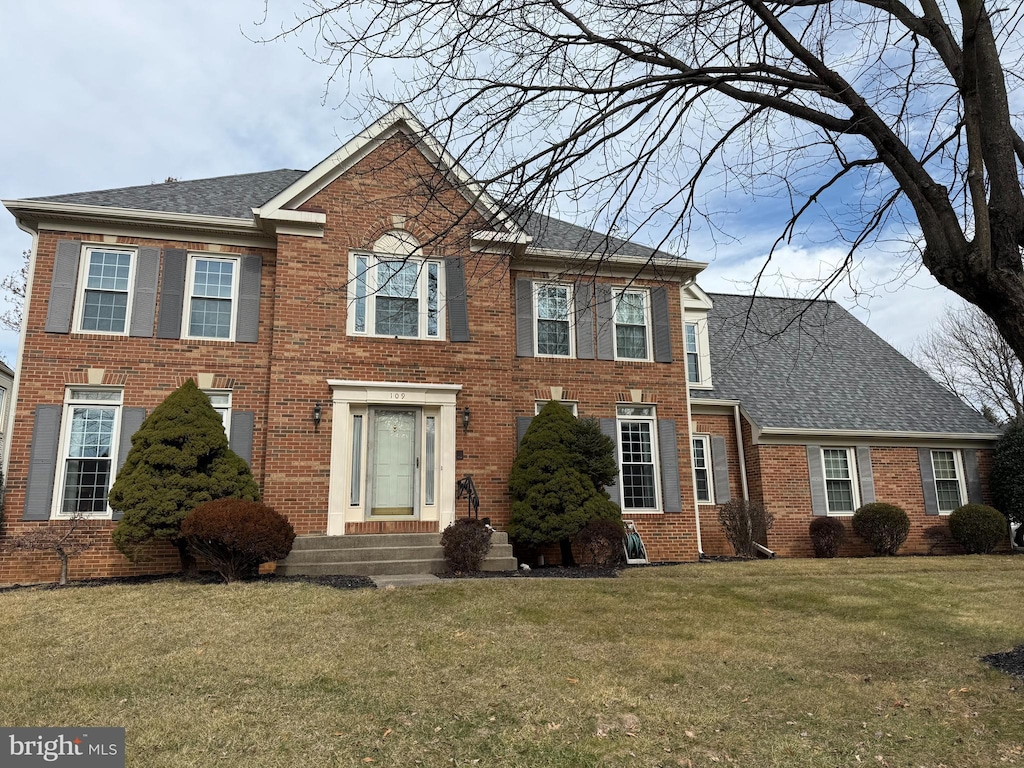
{"x":32,"y":212}
{"x":609,"y":265}
{"x":789,"y":435}
{"x":502,"y":238}
{"x":711,"y":405}
{"x":695,"y":298}
{"x":398,"y":119}
{"x":354,"y":384}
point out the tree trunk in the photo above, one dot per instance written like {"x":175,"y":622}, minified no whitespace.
{"x":63,"y":567}
{"x":568,"y":561}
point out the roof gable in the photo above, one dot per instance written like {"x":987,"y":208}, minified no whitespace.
{"x":398,"y":120}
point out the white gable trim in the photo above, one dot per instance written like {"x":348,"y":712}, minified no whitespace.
{"x":399,"y":119}
{"x":695,"y":298}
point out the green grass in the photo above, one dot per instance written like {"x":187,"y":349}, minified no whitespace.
{"x":789,"y":663}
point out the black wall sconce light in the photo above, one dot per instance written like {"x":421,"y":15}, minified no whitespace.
{"x":465,"y":419}
{"x":318,"y":414}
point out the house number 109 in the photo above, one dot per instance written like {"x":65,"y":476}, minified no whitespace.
{"x":398,"y":395}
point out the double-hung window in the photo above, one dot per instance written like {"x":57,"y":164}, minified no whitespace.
{"x":947,"y":467}
{"x":212,"y":296}
{"x":638,"y":452}
{"x":840,"y":487}
{"x":702,"y":469}
{"x":106,"y":282}
{"x":632,"y":326}
{"x":552,"y":303}
{"x":397,"y":297}
{"x":88,"y":451}
{"x":693,"y":374}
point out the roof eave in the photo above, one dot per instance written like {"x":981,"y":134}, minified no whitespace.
{"x":778,"y":435}
{"x":615,"y":264}
{"x":33,"y":212}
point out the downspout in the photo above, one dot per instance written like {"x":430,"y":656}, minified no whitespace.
{"x":12,"y":405}
{"x":741,"y":455}
{"x":689,"y":418}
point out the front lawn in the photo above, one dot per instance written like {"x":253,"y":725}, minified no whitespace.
{"x":782,"y":663}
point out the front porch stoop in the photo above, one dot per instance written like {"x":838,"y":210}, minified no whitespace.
{"x":382,"y":554}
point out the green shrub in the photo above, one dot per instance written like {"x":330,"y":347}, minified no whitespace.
{"x":883,"y":526}
{"x":236,"y":535}
{"x":466,"y":543}
{"x":978,"y":528}
{"x":1006,"y":481}
{"x":553,"y":486}
{"x":827,"y":534}
{"x":601,"y":542}
{"x":745,"y":523}
{"x":179,"y":459}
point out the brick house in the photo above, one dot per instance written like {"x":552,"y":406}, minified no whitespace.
{"x":377,"y":328}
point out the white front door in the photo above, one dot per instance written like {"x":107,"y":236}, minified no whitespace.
{"x":393,"y":465}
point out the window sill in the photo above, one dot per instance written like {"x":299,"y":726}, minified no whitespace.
{"x":641,"y":511}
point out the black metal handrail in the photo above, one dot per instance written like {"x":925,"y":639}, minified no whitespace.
{"x":466,"y":488}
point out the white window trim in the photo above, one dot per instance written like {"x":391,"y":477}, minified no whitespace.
{"x":570,"y":311}
{"x":83,"y":277}
{"x":373,"y":259}
{"x":851,"y":460}
{"x":648,"y":339}
{"x":958,"y":464}
{"x":706,"y":441}
{"x":652,"y":420}
{"x":186,"y":318}
{"x":572,"y":405}
{"x":70,"y":402}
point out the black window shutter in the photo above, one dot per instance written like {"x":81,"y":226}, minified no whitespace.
{"x":662,"y":325}
{"x":668,"y":455}
{"x":131,"y":420}
{"x":605,"y":322}
{"x":522,"y":424}
{"x":524,"y":317}
{"x":866,"y":474}
{"x":974,"y":492}
{"x":240,"y":440}
{"x":42,"y":466}
{"x":931,"y":501}
{"x":62,"y":287}
{"x":819,"y":501}
{"x":720,"y":466}
{"x":455,"y":298}
{"x":147,"y":272}
{"x":610,"y":430}
{"x":172,"y":294}
{"x":583,"y":298}
{"x":247,"y":325}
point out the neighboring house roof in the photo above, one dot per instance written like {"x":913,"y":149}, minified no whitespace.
{"x":236,"y":196}
{"x":795,"y":364}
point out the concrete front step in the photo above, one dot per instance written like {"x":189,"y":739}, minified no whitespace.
{"x":382,"y":554}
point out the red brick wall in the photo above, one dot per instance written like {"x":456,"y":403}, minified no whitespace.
{"x":711,"y":533}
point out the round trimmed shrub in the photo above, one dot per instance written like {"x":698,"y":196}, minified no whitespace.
{"x":600,"y":542}
{"x":978,"y":528}
{"x":883,"y":526}
{"x":827,"y":534}
{"x":236,"y":535}
{"x":466,"y":543}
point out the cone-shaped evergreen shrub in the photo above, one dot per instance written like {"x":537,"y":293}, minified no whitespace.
{"x":1006,"y":479}
{"x":554,"y":496}
{"x":179,"y":459}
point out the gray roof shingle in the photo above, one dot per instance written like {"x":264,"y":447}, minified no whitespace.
{"x":233,"y":196}
{"x":236,"y":196}
{"x":813,"y":365}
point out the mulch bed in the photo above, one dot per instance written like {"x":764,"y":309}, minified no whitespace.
{"x":1010,"y":662}
{"x":337,"y":582}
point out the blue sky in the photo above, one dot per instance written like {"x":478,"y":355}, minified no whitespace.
{"x":114,"y":93}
